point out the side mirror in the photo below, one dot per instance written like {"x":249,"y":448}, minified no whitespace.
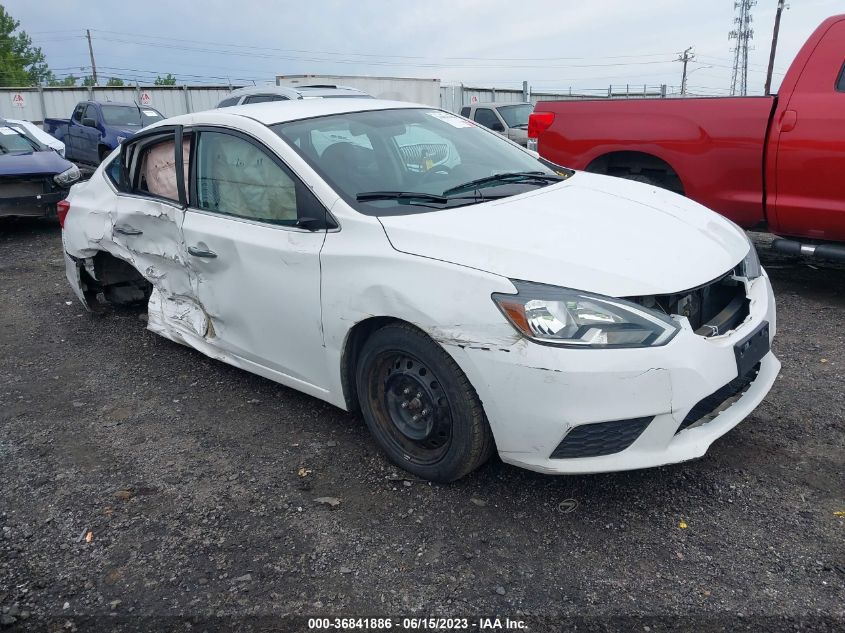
{"x":89,"y":122}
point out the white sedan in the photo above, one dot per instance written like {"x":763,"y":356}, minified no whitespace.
{"x":465,"y":295}
{"x":42,"y":136}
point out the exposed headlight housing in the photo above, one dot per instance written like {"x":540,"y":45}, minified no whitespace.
{"x":67,"y":177}
{"x":750,"y":266}
{"x":572,"y":318}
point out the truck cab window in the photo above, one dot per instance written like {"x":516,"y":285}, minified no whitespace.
{"x":488,"y":118}
{"x":77,"y":114}
{"x":840,"y":84}
{"x":90,"y":112}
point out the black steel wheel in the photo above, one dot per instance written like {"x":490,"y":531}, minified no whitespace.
{"x":420,"y":406}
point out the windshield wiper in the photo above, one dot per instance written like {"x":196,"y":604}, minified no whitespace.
{"x":366,"y":196}
{"x":514,"y":176}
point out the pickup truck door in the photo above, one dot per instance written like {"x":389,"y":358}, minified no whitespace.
{"x":85,"y":139}
{"x":72,"y":139}
{"x":258,"y":271}
{"x":807,"y":188}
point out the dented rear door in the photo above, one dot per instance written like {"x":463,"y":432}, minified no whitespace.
{"x":147,"y":226}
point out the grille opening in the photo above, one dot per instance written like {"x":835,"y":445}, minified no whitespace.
{"x":712,"y":309}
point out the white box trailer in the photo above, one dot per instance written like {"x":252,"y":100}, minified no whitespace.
{"x":425,"y":91}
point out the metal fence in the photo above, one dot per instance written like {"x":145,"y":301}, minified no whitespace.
{"x":37,"y":104}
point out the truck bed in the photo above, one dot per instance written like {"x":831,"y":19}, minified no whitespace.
{"x":716,"y":145}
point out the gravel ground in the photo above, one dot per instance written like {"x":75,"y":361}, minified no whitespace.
{"x":141,"y":482}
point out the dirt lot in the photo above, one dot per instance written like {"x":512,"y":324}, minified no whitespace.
{"x":185,"y":474}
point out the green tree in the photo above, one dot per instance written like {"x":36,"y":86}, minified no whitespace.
{"x":69,"y":80}
{"x":88,"y":81}
{"x":21,"y":63}
{"x":114,"y":81}
{"x":170,"y":80}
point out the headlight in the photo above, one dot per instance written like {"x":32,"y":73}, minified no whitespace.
{"x":67,"y":177}
{"x":750,"y":266}
{"x":560,"y":316}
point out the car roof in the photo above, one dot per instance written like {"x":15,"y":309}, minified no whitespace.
{"x":272,"y":112}
{"x":297,"y":91}
{"x":497,"y":104}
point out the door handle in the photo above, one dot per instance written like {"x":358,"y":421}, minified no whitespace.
{"x":125,"y":229}
{"x":201,"y":252}
{"x":788,"y":120}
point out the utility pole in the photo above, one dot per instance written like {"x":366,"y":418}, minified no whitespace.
{"x":768,"y":89}
{"x":743,"y":34}
{"x":686,"y":57}
{"x":91,"y":53}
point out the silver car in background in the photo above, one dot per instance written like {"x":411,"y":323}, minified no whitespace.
{"x":263,"y":94}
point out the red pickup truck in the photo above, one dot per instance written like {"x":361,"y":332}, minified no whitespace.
{"x":775,"y":161}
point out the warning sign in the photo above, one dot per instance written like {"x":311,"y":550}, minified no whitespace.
{"x":146,"y":99}
{"x":18,"y":99}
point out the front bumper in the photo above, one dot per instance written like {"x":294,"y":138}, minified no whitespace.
{"x":535,"y":394}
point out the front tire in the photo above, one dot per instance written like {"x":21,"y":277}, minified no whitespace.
{"x":420,"y":407}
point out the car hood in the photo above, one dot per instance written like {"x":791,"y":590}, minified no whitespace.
{"x":33,"y":163}
{"x":594,"y":233}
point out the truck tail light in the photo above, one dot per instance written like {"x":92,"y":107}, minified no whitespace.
{"x":539,"y":122}
{"x":62,"y":207}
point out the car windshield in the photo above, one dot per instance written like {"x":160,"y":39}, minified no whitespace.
{"x":516,"y":115}
{"x":14,"y":140}
{"x":384,"y":161}
{"x":130,"y":115}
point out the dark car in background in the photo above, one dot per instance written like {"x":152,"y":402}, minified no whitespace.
{"x":33,"y":177}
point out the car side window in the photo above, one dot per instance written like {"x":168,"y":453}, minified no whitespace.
{"x":228,"y":102}
{"x":264,"y":98}
{"x":90,"y":112}
{"x":487,"y":118}
{"x":840,"y":85}
{"x":77,"y":114}
{"x":236,"y":177}
{"x":465,"y":111}
{"x":115,"y":173}
{"x":156,"y":168}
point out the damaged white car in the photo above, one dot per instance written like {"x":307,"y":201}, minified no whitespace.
{"x":465,"y":295}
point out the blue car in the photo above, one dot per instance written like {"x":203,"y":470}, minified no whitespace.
{"x":33,"y":177}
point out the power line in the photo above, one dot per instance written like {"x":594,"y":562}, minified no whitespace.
{"x":378,"y":55}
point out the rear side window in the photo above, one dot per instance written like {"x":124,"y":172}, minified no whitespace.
{"x":157,"y":171}
{"x":465,"y":111}
{"x":840,"y":84}
{"x":226,"y":103}
{"x":264,"y":98}
{"x":115,"y":174}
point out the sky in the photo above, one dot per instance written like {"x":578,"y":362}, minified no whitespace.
{"x":554,"y":45}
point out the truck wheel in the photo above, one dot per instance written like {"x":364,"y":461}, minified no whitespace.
{"x":420,"y":407}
